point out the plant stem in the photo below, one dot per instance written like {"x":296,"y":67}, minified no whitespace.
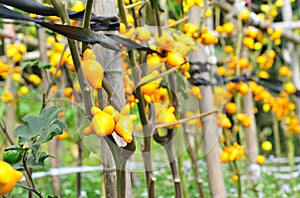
{"x":174,"y":170}
{"x":60,"y":8}
{"x":193,"y":158}
{"x":87,"y":19}
{"x":276,"y":136}
{"x":180,"y":135}
{"x":79,"y":163}
{"x":239,"y":183}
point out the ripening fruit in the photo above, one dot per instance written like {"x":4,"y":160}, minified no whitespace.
{"x":3,"y":68}
{"x":143,"y":34}
{"x":149,"y":88}
{"x":290,"y":88}
{"x":174,"y":59}
{"x":228,"y":28}
{"x":225,"y":157}
{"x":63,"y":136}
{"x":88,"y":130}
{"x":266,"y":146}
{"x":231,"y":108}
{"x":103,"y":123}
{"x":234,"y":178}
{"x":260,"y":159}
{"x":8,"y":177}
{"x":93,"y":73}
{"x":124,"y":128}
{"x":88,"y":54}
{"x":245,"y":15}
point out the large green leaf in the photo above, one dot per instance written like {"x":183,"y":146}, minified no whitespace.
{"x":42,"y":126}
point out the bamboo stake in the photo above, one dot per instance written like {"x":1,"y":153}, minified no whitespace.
{"x":210,"y":129}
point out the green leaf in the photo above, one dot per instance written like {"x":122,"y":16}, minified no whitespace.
{"x":40,"y":128}
{"x":35,"y":63}
{"x":52,"y":196}
{"x":34,"y":162}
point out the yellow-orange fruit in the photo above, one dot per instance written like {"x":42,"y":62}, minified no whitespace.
{"x":124,"y":128}
{"x":103,"y":123}
{"x":93,"y":73}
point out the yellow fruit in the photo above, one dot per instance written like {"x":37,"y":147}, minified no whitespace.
{"x":225,"y":157}
{"x":245,"y":15}
{"x":8,"y":177}
{"x":93,"y":73}
{"x":266,"y":146}
{"x":68,"y":91}
{"x":103,"y":123}
{"x":235,"y":178}
{"x":112,"y":111}
{"x":260,"y":159}
{"x":174,"y":59}
{"x":153,"y":60}
{"x":228,"y":28}
{"x":124,"y":128}
{"x":143,"y":34}
{"x":88,"y":130}
{"x":231,"y":108}
{"x":63,"y":136}
{"x":3,"y":68}
{"x":88,"y":54}
{"x":149,"y":88}
{"x":290,"y":88}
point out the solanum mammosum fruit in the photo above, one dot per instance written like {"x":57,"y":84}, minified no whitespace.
{"x":8,"y":177}
{"x":92,"y":69}
{"x":124,"y":128}
{"x":266,"y":146}
{"x":93,"y":73}
{"x":12,"y":156}
{"x":103,"y":123}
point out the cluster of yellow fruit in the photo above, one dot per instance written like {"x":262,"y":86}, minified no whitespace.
{"x":16,"y":76}
{"x":8,"y":177}
{"x":266,"y":60}
{"x":59,"y":56}
{"x":16,"y":51}
{"x":231,"y":153}
{"x":240,"y":87}
{"x":165,"y":114}
{"x":223,"y":121}
{"x":292,"y":124}
{"x":138,"y":34}
{"x":225,"y":29}
{"x":108,"y":120}
{"x":188,"y":4}
{"x":207,"y":37}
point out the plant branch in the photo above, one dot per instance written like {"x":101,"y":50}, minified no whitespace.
{"x":158,"y":126}
{"x":141,"y":83}
{"x":3,"y":129}
{"x":86,"y":19}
